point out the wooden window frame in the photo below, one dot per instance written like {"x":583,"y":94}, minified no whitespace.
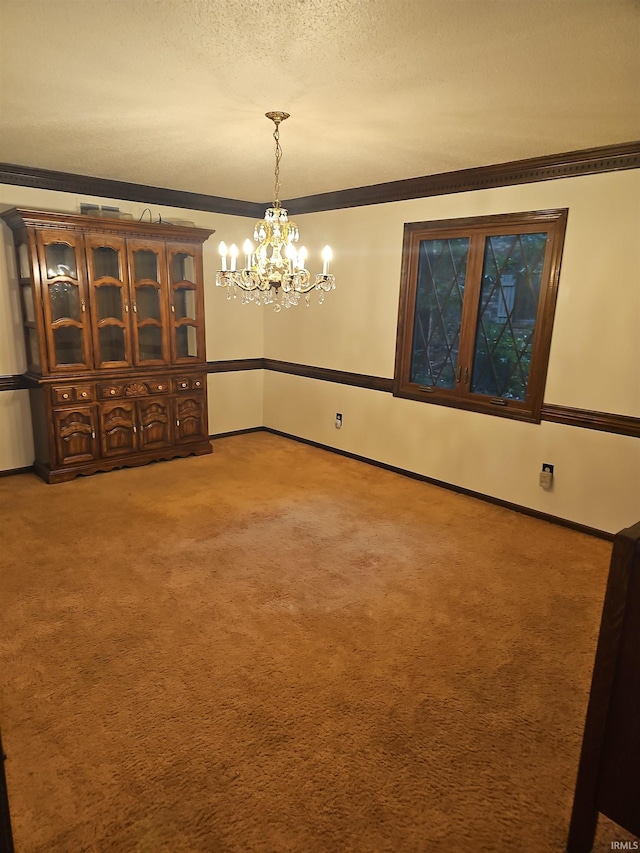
{"x":477,"y":229}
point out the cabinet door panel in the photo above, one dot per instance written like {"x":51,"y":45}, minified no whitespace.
{"x":184,"y":265}
{"x":118,"y":428}
{"x":154,"y":419}
{"x":191,"y":418}
{"x":64,"y":296}
{"x":109,"y":289}
{"x":150,"y":303}
{"x":75,"y":434}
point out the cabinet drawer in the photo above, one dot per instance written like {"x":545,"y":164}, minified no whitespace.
{"x":107,"y":392}
{"x":188,"y":383}
{"x":63,"y":394}
{"x":182,"y":383}
{"x":73,"y":393}
{"x":85,"y":393}
{"x":160,"y":385}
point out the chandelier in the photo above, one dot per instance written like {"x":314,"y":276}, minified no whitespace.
{"x":274,"y":273}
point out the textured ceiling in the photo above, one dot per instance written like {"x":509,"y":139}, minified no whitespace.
{"x":173,"y":92}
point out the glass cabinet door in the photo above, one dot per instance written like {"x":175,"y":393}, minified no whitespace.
{"x":149,"y":293}
{"x":187,"y":304}
{"x":65,"y":300}
{"x":107,"y":266}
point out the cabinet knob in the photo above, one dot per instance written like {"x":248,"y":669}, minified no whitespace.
{"x":113,"y":391}
{"x":65,"y":396}
{"x":183,"y":384}
{"x":84,"y":394}
{"x":160,"y":387}
{"x":197,"y":384}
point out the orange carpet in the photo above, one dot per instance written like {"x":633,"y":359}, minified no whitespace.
{"x":274,"y":649}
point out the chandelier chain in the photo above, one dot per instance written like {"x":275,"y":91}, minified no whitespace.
{"x":278,"y":150}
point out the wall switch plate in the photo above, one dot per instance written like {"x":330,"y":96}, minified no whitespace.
{"x":338,"y":420}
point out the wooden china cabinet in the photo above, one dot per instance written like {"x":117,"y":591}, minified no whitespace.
{"x":113,"y":314}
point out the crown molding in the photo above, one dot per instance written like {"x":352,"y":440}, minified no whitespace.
{"x":590,"y":161}
{"x":571,"y":164}
{"x":67,"y":182}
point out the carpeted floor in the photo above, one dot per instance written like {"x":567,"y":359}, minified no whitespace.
{"x":274,"y":649}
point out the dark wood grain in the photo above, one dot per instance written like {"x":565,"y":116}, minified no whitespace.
{"x":589,"y":161}
{"x":609,"y":771}
{"x":68,"y":182}
{"x":588,"y":419}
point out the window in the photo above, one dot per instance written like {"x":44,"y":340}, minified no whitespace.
{"x":477,"y":299}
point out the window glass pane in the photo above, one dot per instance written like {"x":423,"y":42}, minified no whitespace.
{"x":64,"y":300}
{"x":109,"y":301}
{"x":145,"y":265}
{"x":150,"y":343}
{"x":511,"y":276}
{"x":186,"y":342}
{"x":106,"y":262}
{"x":68,"y":345}
{"x":442,"y":268}
{"x":185,"y":303}
{"x":60,"y":260}
{"x":182,"y":268}
{"x":112,"y":343}
{"x":148,"y":303}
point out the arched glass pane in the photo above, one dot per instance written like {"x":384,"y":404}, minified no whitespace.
{"x":182,"y":268}
{"x":186,"y":342}
{"x":150,"y":343}
{"x":109,"y":301}
{"x":64,"y":300}
{"x":106,"y":262}
{"x":185,"y":303}
{"x":68,"y":345}
{"x":145,"y":265}
{"x":60,"y":260}
{"x":112,"y":343}
{"x":148,"y":303}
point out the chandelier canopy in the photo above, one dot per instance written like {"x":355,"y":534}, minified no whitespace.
{"x":274,"y":273}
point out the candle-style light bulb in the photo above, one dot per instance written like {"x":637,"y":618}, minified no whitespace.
{"x":292,"y":256}
{"x":327,"y":254}
{"x":302,"y":257}
{"x":233,"y":254}
{"x":222,"y":248}
{"x":247,"y":248}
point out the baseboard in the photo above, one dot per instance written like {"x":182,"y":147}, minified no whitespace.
{"x":11,"y":471}
{"x":236,"y":432}
{"x":523,"y":510}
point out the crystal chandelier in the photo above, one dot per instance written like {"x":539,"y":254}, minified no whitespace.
{"x":275,"y":273}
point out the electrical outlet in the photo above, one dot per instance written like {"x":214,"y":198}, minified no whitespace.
{"x":546,"y":476}
{"x":338,"y":420}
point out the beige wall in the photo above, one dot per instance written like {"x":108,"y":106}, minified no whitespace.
{"x":594,"y":364}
